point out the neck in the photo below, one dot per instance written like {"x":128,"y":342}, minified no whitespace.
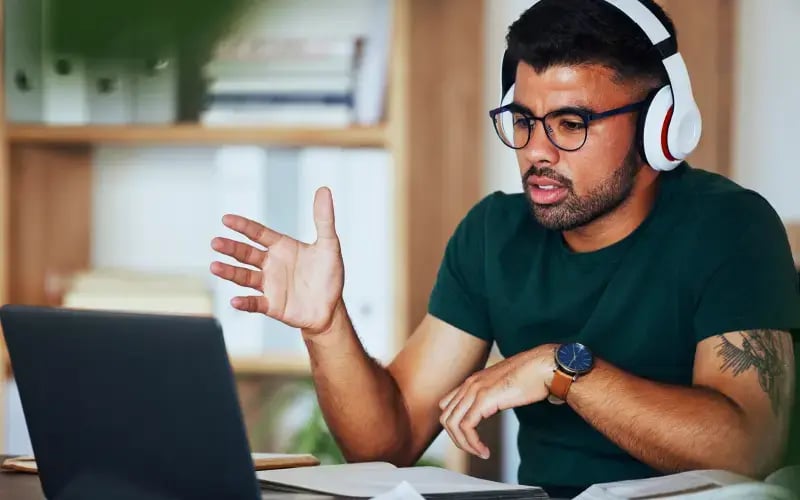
{"x":620,"y":223}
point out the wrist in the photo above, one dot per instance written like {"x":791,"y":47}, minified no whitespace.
{"x":542,"y":360}
{"x":335,"y":322}
{"x":549,"y":362}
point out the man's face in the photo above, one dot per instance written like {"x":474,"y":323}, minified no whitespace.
{"x":568,"y":190}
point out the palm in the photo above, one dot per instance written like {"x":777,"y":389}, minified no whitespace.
{"x":300,"y":283}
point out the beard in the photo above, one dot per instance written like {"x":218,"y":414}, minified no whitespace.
{"x":576,"y":211}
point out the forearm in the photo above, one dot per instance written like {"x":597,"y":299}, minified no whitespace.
{"x":361,"y":403}
{"x":671,"y":428}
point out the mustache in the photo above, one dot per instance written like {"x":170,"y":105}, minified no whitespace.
{"x":549,"y":173}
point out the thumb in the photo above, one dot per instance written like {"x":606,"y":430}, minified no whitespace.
{"x":324,"y":219}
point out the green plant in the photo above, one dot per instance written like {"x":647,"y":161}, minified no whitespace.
{"x":138,"y":28}
{"x":315,"y":438}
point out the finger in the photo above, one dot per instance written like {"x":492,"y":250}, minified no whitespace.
{"x":449,"y":397}
{"x":450,"y":402}
{"x":324,"y":218}
{"x":450,"y":434}
{"x":251,"y":304}
{"x":455,"y":400}
{"x":447,"y":419}
{"x":252,"y":230}
{"x":238,"y":275}
{"x":244,"y":253}
{"x":454,"y":422}
{"x":445,"y":415}
{"x":483,"y":408}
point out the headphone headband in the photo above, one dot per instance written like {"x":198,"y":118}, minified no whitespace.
{"x":642,"y":16}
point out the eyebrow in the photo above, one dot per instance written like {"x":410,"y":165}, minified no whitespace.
{"x":570,"y":107}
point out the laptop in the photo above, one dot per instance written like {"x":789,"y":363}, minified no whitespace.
{"x":129,"y":405}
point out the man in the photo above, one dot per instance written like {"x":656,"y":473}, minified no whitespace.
{"x":680,"y":283}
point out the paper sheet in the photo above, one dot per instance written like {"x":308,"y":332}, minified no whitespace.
{"x":403,"y":491}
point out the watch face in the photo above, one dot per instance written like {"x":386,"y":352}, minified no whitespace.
{"x":575,"y":357}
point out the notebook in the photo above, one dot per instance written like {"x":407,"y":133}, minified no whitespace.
{"x":368,"y":480}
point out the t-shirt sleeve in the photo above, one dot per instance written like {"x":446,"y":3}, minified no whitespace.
{"x":753,"y":283}
{"x":459,"y":294}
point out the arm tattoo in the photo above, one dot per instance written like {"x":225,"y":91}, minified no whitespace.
{"x":760,"y":350}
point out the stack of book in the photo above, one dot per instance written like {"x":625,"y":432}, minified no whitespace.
{"x":260,"y":80}
{"x":301,"y":62}
{"x":140,"y":292}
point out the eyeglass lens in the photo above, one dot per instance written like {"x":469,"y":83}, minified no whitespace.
{"x":566,"y":130}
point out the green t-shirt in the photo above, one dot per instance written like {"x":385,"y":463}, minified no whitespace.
{"x":711,"y":257}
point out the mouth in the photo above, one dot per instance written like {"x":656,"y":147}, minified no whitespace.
{"x":545,"y":191}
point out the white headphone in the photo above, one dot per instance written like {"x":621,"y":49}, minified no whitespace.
{"x":670,"y":125}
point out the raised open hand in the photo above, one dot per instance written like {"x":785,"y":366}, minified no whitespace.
{"x":300,"y":283}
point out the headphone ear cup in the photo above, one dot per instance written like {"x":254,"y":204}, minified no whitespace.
{"x":653,"y":125}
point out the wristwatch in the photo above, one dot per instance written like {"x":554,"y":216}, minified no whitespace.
{"x":572,"y":361}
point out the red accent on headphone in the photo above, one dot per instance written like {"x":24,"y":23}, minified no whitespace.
{"x":664,"y":131}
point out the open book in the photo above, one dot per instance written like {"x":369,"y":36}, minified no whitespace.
{"x":700,"y":485}
{"x":261,"y":461}
{"x":368,"y":480}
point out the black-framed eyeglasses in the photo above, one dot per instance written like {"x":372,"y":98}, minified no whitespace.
{"x":567,"y":128}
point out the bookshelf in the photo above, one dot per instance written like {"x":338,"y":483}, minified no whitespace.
{"x":433,"y":131}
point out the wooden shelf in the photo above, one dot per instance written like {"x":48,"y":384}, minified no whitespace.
{"x":198,"y":134}
{"x":265,"y":365}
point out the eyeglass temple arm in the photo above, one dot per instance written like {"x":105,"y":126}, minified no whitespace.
{"x":617,"y":111}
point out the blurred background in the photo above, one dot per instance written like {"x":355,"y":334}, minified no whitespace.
{"x":130,"y":128}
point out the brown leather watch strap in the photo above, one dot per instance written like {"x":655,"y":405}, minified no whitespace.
{"x":559,"y":387}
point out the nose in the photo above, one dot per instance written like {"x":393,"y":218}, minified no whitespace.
{"x":539,"y":149}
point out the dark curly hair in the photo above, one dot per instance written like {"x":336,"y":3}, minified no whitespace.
{"x":575,"y":32}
